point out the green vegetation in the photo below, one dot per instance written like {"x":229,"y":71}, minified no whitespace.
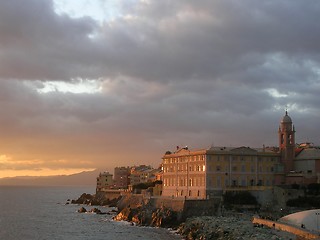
{"x":239,"y":198}
{"x":313,"y":189}
{"x":304,"y":202}
{"x":147,"y":185}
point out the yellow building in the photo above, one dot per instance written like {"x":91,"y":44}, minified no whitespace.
{"x":205,"y":172}
{"x":104,"y":181}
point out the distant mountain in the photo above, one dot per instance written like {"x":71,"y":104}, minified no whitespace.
{"x":87,"y":178}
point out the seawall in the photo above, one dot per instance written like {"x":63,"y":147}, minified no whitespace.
{"x":183,"y":207}
{"x":302,"y":233}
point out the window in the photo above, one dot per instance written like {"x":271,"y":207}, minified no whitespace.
{"x":218,"y":168}
{"x":252,"y":182}
{"x":234,"y":168}
{"x":218,"y":182}
{"x":268,"y":182}
{"x":234,"y":182}
{"x":243,"y":168}
{"x":243,"y":182}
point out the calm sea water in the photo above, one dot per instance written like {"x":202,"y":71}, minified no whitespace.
{"x":41,"y":213}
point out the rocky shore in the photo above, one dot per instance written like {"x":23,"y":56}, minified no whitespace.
{"x":143,"y":216}
{"x":95,"y":200}
{"x":231,"y":228}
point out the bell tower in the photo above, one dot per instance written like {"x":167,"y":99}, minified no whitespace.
{"x":287,"y":143}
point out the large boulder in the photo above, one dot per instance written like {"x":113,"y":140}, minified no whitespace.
{"x":95,"y":200}
{"x":85,"y":198}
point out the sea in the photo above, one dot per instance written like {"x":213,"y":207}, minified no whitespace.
{"x":42,"y":213}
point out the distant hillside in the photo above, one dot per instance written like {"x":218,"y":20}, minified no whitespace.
{"x":80,"y":179}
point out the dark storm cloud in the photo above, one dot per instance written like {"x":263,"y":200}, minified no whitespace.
{"x":172,"y":73}
{"x":38,"y":44}
{"x":156,"y":40}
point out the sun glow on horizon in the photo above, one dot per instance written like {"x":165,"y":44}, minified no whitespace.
{"x":45,"y":172}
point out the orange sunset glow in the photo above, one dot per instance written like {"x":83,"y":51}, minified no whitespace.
{"x":98,"y":85}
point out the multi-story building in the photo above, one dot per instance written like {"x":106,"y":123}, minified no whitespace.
{"x":140,"y":174}
{"x":121,"y":177}
{"x":204,"y":172}
{"x":104,"y":181}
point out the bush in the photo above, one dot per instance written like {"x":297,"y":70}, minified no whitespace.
{"x":314,"y":189}
{"x":146,"y":185}
{"x":304,"y":202}
{"x":240,"y":198}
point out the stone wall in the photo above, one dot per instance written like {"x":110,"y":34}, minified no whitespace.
{"x":110,"y":193}
{"x":187,"y":207}
{"x":200,"y":208}
{"x":175,"y":204}
{"x":284,"y":227}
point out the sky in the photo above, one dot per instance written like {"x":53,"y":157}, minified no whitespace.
{"x":99,"y":84}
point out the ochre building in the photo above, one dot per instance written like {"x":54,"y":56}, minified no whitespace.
{"x":204,"y":172}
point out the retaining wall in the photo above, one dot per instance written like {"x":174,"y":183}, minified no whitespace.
{"x":284,"y":227}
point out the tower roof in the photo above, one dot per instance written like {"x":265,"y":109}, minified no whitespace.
{"x":286,"y":118}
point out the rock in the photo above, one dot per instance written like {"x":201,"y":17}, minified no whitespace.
{"x":124,"y":215}
{"x":82,"y":210}
{"x":95,"y":200}
{"x":96,"y":211}
{"x":226,"y":228}
{"x":83,"y":199}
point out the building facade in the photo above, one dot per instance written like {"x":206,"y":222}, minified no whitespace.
{"x":104,"y":181}
{"x":121,"y":177}
{"x":206,"y":172}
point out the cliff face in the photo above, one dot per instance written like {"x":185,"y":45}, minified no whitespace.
{"x":162,"y":212}
{"x":146,"y":216}
{"x":140,"y":210}
{"x":95,"y":200}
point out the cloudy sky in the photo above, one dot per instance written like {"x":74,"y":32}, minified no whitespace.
{"x":98,"y":84}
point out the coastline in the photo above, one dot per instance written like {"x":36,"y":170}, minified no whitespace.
{"x":232,"y":225}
